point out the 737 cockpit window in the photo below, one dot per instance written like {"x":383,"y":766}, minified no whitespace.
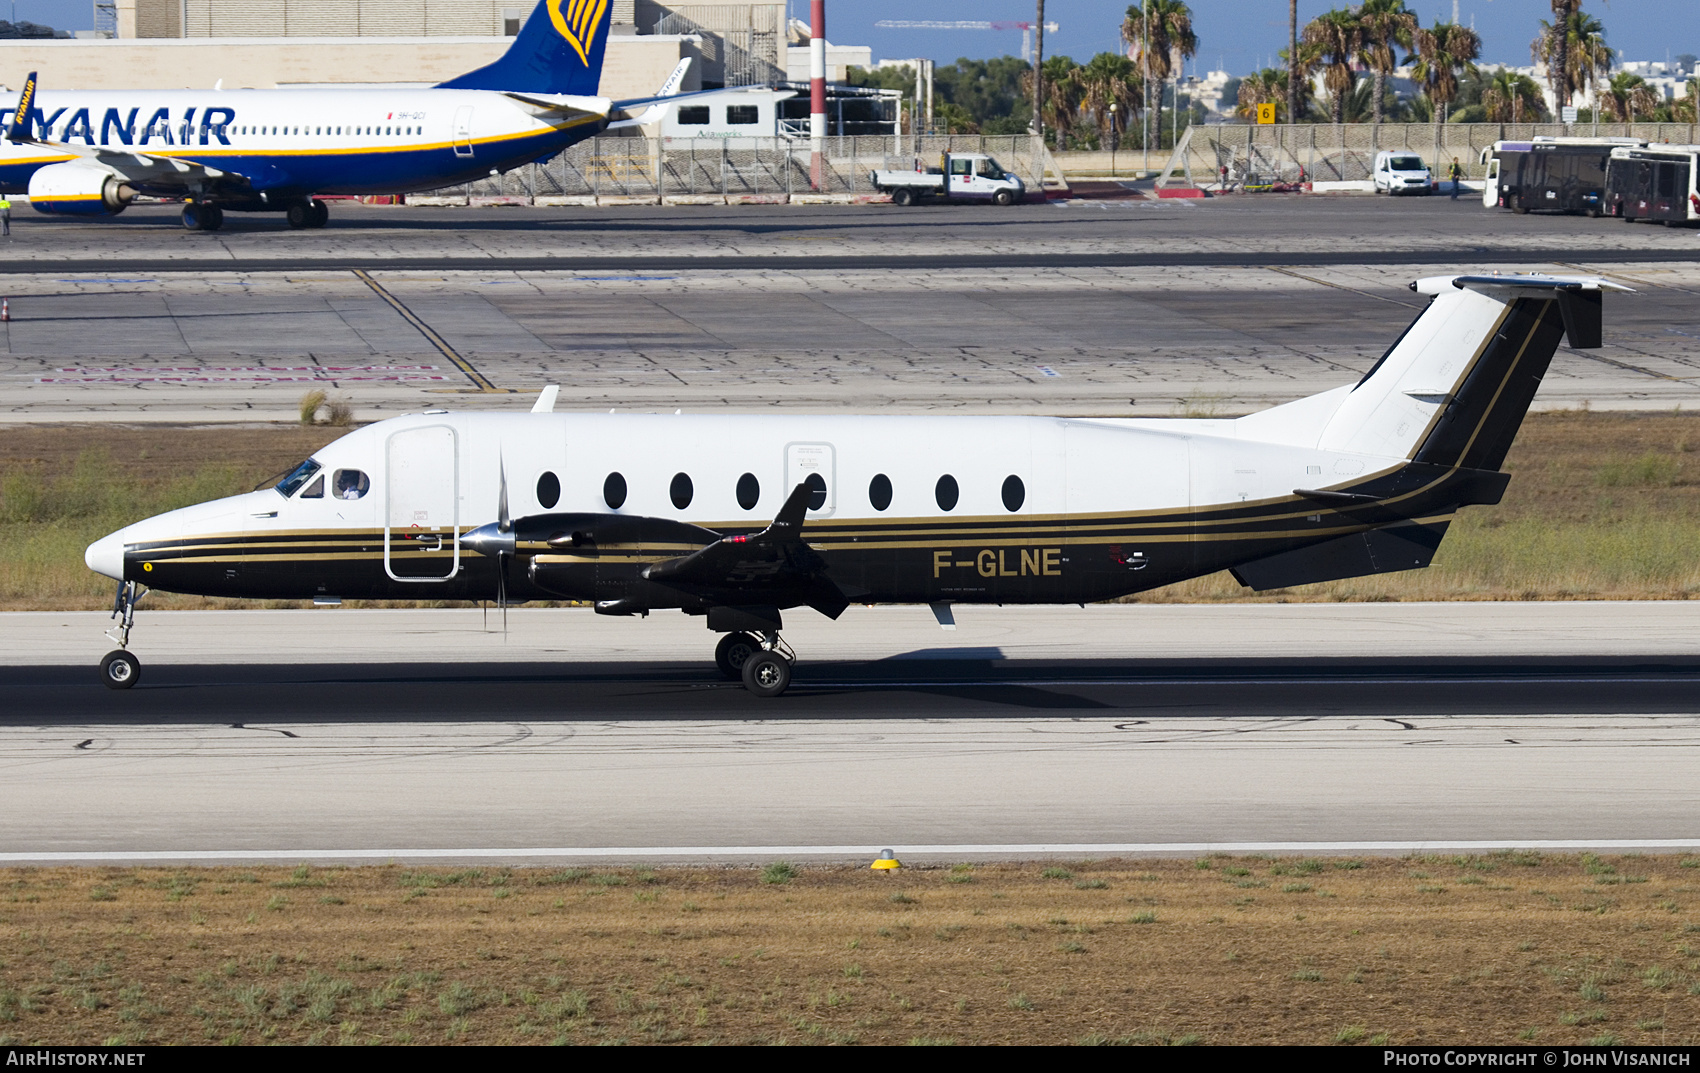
{"x":351,"y":484}
{"x":298,"y":476}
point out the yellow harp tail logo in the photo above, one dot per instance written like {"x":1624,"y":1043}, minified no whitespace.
{"x":576,"y":21}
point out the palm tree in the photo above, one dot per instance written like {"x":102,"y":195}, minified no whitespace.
{"x":1682,"y":109}
{"x":1268,"y":86}
{"x":1442,"y":52}
{"x":1163,"y":39}
{"x":1575,"y":59}
{"x":1628,"y":97}
{"x":1062,"y":94}
{"x":1339,"y":35}
{"x":1109,"y":78}
{"x":1512,"y":98}
{"x":1557,"y":48}
{"x":1385,"y":23}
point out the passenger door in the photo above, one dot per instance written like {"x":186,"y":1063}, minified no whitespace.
{"x":463,"y":130}
{"x":421,"y":504}
{"x":813,"y":463}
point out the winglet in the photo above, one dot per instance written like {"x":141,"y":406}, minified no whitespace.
{"x":545,"y":403}
{"x":20,"y":128}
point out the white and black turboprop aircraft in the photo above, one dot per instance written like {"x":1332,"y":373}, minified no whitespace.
{"x":741,"y":518}
{"x":92,"y":152}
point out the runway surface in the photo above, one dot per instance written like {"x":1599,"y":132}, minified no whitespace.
{"x":1127,"y":726}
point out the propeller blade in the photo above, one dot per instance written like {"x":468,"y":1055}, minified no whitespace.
{"x":504,"y":524}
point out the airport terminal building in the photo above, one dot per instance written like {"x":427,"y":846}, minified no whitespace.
{"x":176,"y":44}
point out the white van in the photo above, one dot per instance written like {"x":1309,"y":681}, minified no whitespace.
{"x":1401,"y":172}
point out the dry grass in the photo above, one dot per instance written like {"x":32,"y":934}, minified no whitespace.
{"x":1497,"y":949}
{"x":1601,"y":506}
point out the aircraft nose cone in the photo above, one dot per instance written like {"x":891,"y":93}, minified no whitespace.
{"x":106,"y":556}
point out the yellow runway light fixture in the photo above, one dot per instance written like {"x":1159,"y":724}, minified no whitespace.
{"x":887,"y":862}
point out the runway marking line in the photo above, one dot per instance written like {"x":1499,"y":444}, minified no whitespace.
{"x":479,"y":380}
{"x":1002,"y":850}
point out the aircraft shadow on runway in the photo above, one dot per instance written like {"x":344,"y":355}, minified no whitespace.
{"x":908,"y":688}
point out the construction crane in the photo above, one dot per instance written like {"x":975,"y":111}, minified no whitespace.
{"x":1026,"y":29}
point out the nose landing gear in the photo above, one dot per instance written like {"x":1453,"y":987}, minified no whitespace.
{"x":119,"y":669}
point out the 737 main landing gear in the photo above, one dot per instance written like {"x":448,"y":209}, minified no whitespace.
{"x":119,"y":669}
{"x":763,"y":665}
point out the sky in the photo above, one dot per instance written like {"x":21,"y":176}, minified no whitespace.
{"x":1237,"y":35}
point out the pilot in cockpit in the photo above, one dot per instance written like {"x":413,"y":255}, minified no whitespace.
{"x":350,"y":484}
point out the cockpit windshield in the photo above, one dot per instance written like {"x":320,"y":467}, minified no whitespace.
{"x":298,"y":476}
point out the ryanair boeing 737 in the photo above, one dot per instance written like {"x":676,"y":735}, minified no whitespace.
{"x":91,"y":153}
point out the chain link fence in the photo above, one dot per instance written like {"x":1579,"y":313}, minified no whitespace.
{"x":1325,"y":152}
{"x":656,"y":168}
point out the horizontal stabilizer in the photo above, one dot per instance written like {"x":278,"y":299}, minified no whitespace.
{"x":1407,"y":546}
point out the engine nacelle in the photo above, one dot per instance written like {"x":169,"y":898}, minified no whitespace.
{"x":77,"y":189}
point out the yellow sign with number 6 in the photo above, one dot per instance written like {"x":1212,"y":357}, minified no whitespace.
{"x":1266,"y":113}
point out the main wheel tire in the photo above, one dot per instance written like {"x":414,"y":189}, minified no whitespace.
{"x":903,"y":197}
{"x":299,"y":215}
{"x":194,"y":216}
{"x":212,"y":217}
{"x":321,"y":214}
{"x":1003,"y":197}
{"x":120,"y":670}
{"x":767,"y":674}
{"x":732,"y":652}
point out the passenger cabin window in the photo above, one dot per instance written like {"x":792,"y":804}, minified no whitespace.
{"x":614,"y":491}
{"x":742,"y":115}
{"x":946,"y":492}
{"x":749,"y":491}
{"x":351,"y":484}
{"x":695,"y":115}
{"x":1014,"y":493}
{"x":879,"y":492}
{"x":816,"y":485}
{"x":316,"y":490}
{"x":681,"y":491}
{"x":297,"y":477}
{"x":548,"y":491}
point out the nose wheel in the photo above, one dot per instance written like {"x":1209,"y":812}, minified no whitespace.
{"x":121,"y":669}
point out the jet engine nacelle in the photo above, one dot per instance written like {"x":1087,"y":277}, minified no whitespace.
{"x":76,"y":189}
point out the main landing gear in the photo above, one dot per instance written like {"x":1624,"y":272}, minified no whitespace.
{"x":307,"y":214}
{"x":202,"y":216}
{"x":763,"y":665}
{"x":119,"y":669}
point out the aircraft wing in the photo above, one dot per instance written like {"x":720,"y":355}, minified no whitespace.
{"x":772,"y":561}
{"x":145,"y":171}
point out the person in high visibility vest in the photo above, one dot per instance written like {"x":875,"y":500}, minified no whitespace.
{"x":1456,"y":174}
{"x":5,"y":216}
